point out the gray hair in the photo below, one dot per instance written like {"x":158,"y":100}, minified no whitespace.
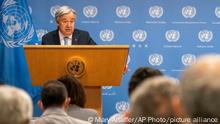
{"x":144,"y":100}
{"x":62,"y":11}
{"x":15,"y":106}
{"x":200,"y":85}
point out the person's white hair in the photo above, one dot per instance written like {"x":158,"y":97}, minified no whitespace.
{"x":62,"y":11}
{"x":144,"y":100}
{"x":15,"y":106}
{"x":200,"y":85}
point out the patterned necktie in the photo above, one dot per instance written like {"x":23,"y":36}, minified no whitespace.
{"x":66,"y":40}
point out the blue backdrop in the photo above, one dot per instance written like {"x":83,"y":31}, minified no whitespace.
{"x":165,"y":34}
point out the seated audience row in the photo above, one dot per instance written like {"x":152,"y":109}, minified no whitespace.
{"x":195,"y":100}
{"x":153,"y":96}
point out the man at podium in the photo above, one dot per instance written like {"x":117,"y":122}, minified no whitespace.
{"x":66,"y":34}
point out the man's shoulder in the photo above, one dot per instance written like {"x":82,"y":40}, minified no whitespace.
{"x":87,"y":112}
{"x":51,"y":33}
{"x":80,"y":31}
{"x":57,"y":119}
{"x":91,"y":111}
{"x":78,"y":121}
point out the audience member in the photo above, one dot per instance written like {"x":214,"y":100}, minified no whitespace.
{"x":78,"y":99}
{"x":154,"y":99}
{"x":15,"y":106}
{"x":54,"y":102}
{"x":140,"y":75}
{"x":137,"y":78}
{"x":200,"y":86}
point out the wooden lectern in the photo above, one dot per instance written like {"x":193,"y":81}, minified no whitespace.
{"x":94,"y":66}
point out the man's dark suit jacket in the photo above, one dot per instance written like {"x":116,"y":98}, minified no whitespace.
{"x":79,"y":37}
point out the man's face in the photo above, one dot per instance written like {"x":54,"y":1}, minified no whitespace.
{"x":66,"y":23}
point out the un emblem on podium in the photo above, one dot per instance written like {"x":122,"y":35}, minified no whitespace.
{"x":76,"y":67}
{"x":188,"y":12}
{"x":16,"y":24}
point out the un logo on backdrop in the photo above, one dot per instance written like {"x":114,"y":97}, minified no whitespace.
{"x":155,"y":59}
{"x":106,"y":35}
{"x":41,"y":33}
{"x":205,"y":35}
{"x":188,"y":12}
{"x":53,"y":10}
{"x":122,"y":106}
{"x":156,"y":11}
{"x":139,"y":35}
{"x":123,"y":11}
{"x":90,"y":11}
{"x":188,"y":59}
{"x":16,"y":25}
{"x":172,"y":35}
{"x":217,"y":12}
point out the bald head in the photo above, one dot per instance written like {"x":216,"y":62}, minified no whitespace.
{"x":200,"y":84}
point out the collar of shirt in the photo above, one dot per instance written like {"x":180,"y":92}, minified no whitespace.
{"x":69,"y":42}
{"x":54,"y":111}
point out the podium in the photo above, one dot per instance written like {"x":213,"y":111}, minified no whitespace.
{"x":94,"y":66}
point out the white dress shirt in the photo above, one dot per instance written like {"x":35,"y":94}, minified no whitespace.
{"x":69,"y":39}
